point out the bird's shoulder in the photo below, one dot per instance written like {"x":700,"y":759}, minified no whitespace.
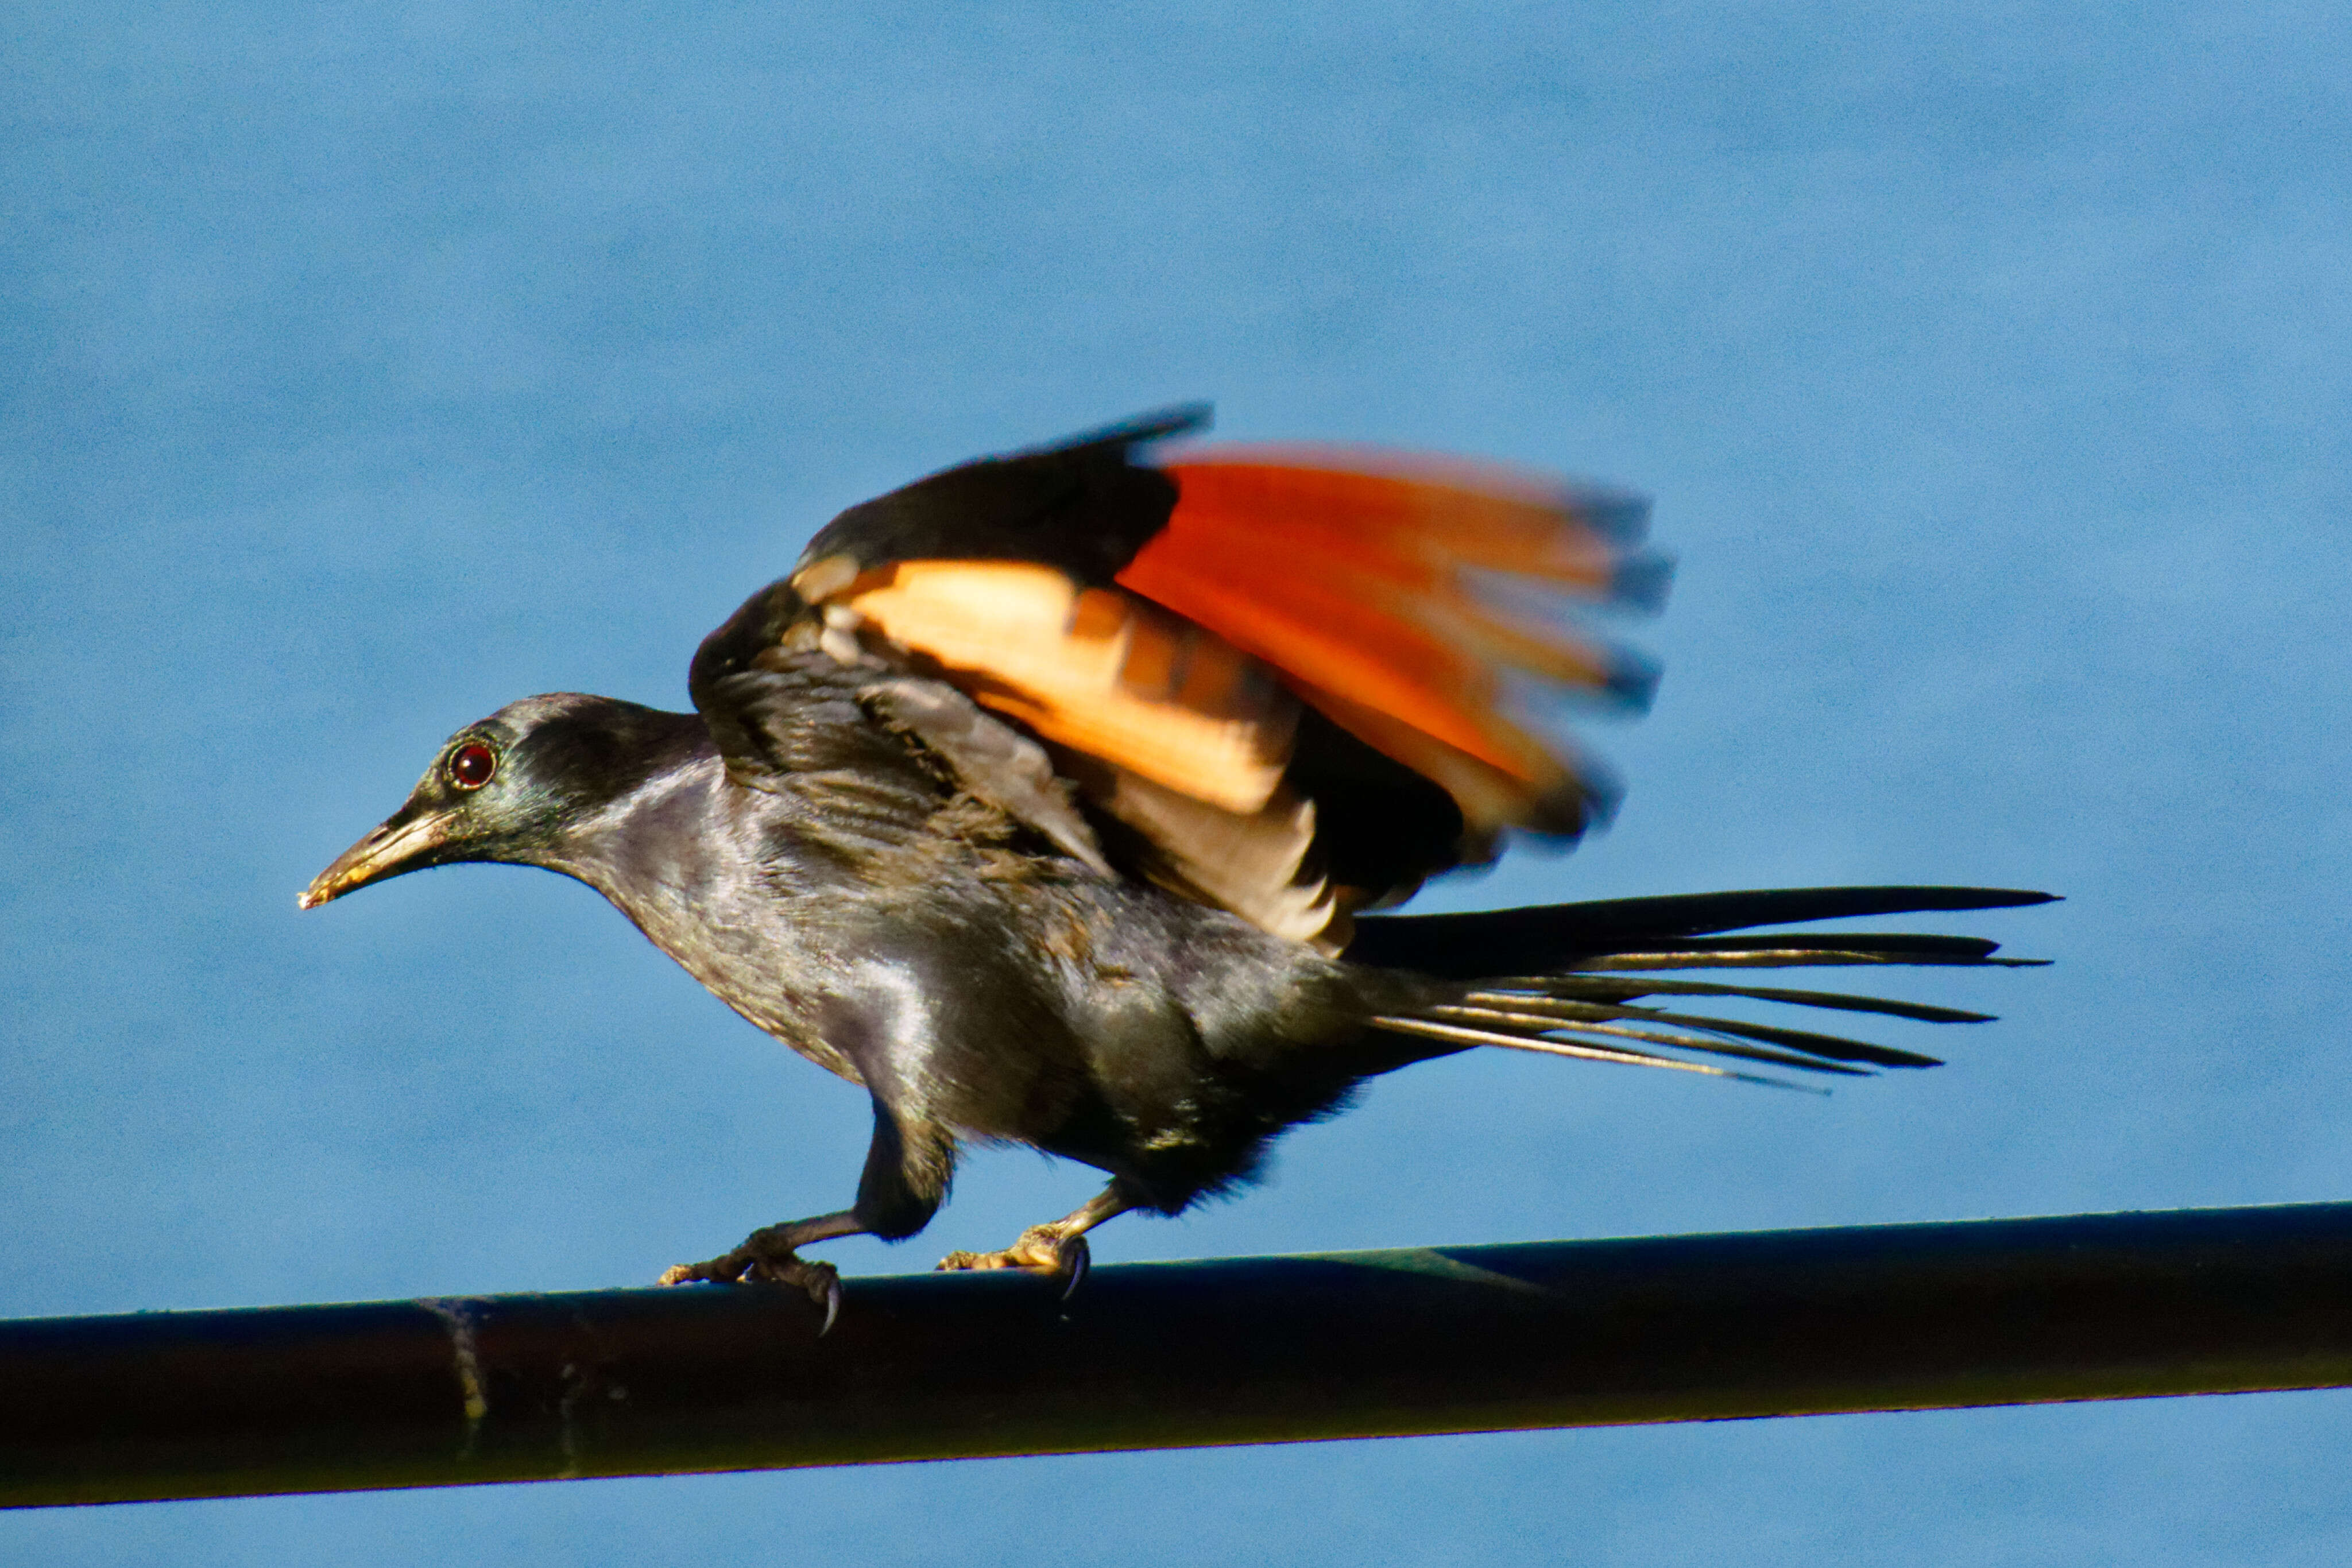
{"x":900,"y":769}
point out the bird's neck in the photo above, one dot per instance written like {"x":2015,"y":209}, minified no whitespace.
{"x":686,"y":855}
{"x":648,"y":832}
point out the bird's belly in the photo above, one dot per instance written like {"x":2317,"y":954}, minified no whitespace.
{"x":748,"y":959}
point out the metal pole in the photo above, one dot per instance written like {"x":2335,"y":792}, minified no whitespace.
{"x":1459,"y":1339}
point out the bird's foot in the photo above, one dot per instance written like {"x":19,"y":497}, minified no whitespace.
{"x":766,"y":1256}
{"x":1052,"y":1250}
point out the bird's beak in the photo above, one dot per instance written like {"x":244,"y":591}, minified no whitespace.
{"x":401,"y":844}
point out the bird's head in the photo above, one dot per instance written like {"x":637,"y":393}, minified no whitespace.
{"x":512,"y":786}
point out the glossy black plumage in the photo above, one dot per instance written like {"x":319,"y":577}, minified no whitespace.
{"x":1080,"y":505}
{"x":909,"y":889}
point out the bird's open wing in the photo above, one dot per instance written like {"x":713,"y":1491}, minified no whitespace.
{"x":1286,"y":679}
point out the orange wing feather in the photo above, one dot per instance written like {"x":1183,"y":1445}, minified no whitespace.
{"x":1349,"y":574}
{"x":1100,"y":671}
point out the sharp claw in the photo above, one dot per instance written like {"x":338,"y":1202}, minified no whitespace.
{"x":775,"y":1266}
{"x":1068,"y":1255}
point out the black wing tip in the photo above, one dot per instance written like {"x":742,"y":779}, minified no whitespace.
{"x":1586,"y":801}
{"x":1633,"y":680}
{"x":1619,"y":517}
{"x":1156,"y":425}
{"x":1641,"y":581}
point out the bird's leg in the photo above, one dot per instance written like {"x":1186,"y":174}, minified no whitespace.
{"x":908,"y":1168}
{"x":1057,"y":1249}
{"x":767,"y":1254}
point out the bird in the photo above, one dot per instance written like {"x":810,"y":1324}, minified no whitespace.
{"x":1053,"y":799}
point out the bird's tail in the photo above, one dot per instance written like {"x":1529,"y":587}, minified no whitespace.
{"x":1564,"y":979}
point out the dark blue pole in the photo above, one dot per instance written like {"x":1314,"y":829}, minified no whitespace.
{"x":1457,"y":1339}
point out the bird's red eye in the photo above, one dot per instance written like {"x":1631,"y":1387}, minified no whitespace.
{"x":471,"y":765}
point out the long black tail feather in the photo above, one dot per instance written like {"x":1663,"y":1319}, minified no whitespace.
{"x":1550,"y":936}
{"x":1559,"y":979}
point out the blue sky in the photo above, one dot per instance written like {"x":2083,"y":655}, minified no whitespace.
{"x":369,"y":366}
